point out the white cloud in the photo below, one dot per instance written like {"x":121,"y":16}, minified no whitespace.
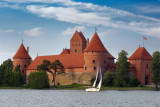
{"x":71,"y":15}
{"x":89,"y":14}
{"x":109,"y":32}
{"x":149,"y":9}
{"x":70,"y":31}
{"x":7,"y":31}
{"x":113,"y":18}
{"x":34,"y":32}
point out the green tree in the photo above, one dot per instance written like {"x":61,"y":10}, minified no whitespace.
{"x":134,"y":82}
{"x":17,"y":68}
{"x":122,"y":70}
{"x":5,"y":68}
{"x":155,"y":67}
{"x":15,"y":79}
{"x":44,"y":66}
{"x":58,"y":68}
{"x":38,"y":80}
{"x":108,"y":79}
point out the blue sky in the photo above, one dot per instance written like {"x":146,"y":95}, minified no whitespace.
{"x":46,"y":26}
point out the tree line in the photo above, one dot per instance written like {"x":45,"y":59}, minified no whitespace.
{"x":9,"y":77}
{"x":121,"y":77}
{"x":39,"y":79}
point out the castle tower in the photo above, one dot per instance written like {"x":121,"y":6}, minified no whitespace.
{"x":77,"y":43}
{"x":94,"y":54}
{"x":22,"y":59}
{"x":141,"y":59}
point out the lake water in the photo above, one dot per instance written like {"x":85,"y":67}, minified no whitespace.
{"x":78,"y":98}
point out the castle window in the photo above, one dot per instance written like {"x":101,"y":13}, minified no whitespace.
{"x":85,"y":68}
{"x":75,"y":50}
{"x":93,"y":61}
{"x":25,"y":66}
{"x":94,"y":68}
{"x":147,"y":66}
{"x":22,"y":71}
{"x":104,"y":61}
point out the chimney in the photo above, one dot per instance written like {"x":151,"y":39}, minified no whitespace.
{"x":27,"y":49}
{"x":87,"y":41}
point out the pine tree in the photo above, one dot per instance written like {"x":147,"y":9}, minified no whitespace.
{"x":155,"y":67}
{"x":122,"y":70}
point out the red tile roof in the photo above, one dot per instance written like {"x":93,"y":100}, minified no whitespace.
{"x":140,"y":53}
{"x":80,"y":34}
{"x":95,"y":45}
{"x":21,"y":53}
{"x":65,"y":51}
{"x":110,"y":56}
{"x":68,"y":60}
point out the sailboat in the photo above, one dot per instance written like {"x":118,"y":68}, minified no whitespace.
{"x":94,"y":89}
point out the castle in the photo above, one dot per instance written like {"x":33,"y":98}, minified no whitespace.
{"x":80,"y":61}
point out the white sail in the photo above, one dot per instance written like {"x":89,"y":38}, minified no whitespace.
{"x":94,"y":84}
{"x":100,"y":81}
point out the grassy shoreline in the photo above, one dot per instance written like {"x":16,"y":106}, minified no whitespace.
{"x":83,"y":87}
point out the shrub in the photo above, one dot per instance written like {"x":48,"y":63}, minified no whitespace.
{"x":38,"y":80}
{"x":15,"y":79}
{"x":93,"y":79}
{"x":108,"y":79}
{"x":75,"y":85}
{"x":134,"y":82}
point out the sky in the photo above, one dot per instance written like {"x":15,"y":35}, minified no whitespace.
{"x":46,"y":26}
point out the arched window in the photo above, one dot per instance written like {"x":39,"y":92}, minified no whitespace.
{"x":94,"y":68}
{"x":94,"y":61}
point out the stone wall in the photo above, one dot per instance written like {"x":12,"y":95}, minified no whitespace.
{"x":74,"y":75}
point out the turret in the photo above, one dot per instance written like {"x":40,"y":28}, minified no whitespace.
{"x":94,"y":54}
{"x":77,"y":43}
{"x":141,"y":59}
{"x":22,"y":59}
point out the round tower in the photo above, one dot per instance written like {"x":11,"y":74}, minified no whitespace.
{"x":94,"y":54}
{"x":22,"y":59}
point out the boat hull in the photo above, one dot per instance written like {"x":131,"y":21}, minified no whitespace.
{"x":92,"y":89}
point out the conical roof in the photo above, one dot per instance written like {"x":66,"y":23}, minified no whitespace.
{"x":110,"y":56}
{"x":21,"y":53}
{"x":95,"y":45}
{"x":140,"y":53}
{"x":65,"y":51}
